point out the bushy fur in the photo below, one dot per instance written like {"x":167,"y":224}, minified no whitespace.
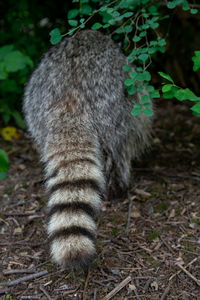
{"x":79,"y":113}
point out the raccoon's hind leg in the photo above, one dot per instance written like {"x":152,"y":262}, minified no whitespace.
{"x":117,"y":169}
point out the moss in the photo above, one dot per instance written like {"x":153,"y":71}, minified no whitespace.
{"x":38,"y":223}
{"x":196,"y":221}
{"x":153,"y":235}
{"x":161,"y":207}
{"x":115,"y":231}
{"x":8,"y":191}
{"x":189,"y":246}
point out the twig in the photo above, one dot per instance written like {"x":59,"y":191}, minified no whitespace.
{"x":178,"y":272}
{"x":45,"y":292}
{"x":31,"y":297}
{"x":19,"y":271}
{"x":120,"y":286}
{"x":166,"y":291}
{"x":86,"y":284}
{"x":147,"y":284}
{"x":189,"y":274}
{"x":26,"y":278}
{"x":129,"y":213}
{"x":20,"y":214}
{"x":4,"y":291}
{"x":136,"y":294}
{"x":95,"y":294}
{"x":167,"y":245}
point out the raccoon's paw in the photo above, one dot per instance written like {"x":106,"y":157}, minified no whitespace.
{"x":76,"y":252}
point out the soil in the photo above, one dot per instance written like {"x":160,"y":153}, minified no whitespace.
{"x":151,"y":239}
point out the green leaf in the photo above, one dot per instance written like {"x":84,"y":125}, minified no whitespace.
{"x":4,"y":50}
{"x":150,"y":88}
{"x":126,"y":68}
{"x":56,"y":36}
{"x":133,"y":74}
{"x":144,"y":26}
{"x":128,"y":28}
{"x":137,"y":105}
{"x":196,"y":108}
{"x":143,"y":57}
{"x":143,"y":33}
{"x":86,"y":9}
{"x":148,"y":112}
{"x":103,"y":8}
{"x":155,"y":94}
{"x":145,"y":98}
{"x":147,"y":76}
{"x":162,"y":42}
{"x":18,"y":119}
{"x":96,"y":26}
{"x":171,"y":93}
{"x":128,"y":14}
{"x":15,"y":61}
{"x":108,"y":25}
{"x":136,"y":39}
{"x":167,"y":88}
{"x":147,"y":104}
{"x":194,"y":11}
{"x":166,"y":76}
{"x":154,"y":25}
{"x":73,"y":23}
{"x":131,"y":90}
{"x":136,"y":111}
{"x":171,"y":5}
{"x":3,"y":175}
{"x":185,"y":94}
{"x":4,"y":161}
{"x":73,"y":13}
{"x":128,"y":82}
{"x":3,"y":73}
{"x":196,"y":60}
{"x":185,"y":6}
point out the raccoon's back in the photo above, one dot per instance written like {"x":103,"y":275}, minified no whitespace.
{"x":85,"y":70}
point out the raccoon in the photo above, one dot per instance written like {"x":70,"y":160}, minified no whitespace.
{"x":77,"y":110}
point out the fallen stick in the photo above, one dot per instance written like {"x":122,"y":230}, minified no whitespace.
{"x":45,"y":292}
{"x":26,"y":278}
{"x":30,"y":297}
{"x":189,"y":274}
{"x":129,"y":213}
{"x":19,"y":271}
{"x":120,"y":286}
{"x":166,"y":292}
{"x":190,"y":263}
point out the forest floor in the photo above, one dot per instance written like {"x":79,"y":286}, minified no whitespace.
{"x":148,"y":245}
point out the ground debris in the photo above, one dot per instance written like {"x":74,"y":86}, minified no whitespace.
{"x":151,"y":238}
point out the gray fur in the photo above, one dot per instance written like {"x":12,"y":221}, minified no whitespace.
{"x":79,"y":113}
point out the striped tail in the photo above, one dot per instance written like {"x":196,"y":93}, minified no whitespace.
{"x":75,"y":184}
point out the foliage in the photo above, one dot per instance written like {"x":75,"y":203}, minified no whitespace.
{"x":24,"y":36}
{"x":4,"y":164}
{"x":196,"y":60}
{"x":173,"y":91}
{"x":135,"y":24}
{"x":11,"y":61}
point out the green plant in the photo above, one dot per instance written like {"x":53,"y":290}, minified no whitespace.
{"x":135,"y":24}
{"x":4,"y":164}
{"x":11,"y":61}
{"x":171,"y":90}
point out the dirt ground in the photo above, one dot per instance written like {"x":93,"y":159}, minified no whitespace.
{"x":148,"y":245}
